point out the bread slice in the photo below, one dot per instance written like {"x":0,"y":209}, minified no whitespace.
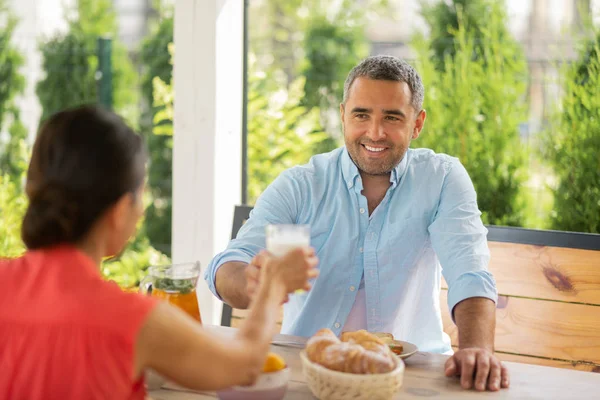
{"x":384,"y":336}
{"x":394,"y":345}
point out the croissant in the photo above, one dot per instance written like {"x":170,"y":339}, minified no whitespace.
{"x":369,"y":357}
{"x":316,"y":345}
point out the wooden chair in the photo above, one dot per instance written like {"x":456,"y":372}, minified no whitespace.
{"x":548,"y":311}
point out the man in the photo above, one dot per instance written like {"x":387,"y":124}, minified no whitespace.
{"x":383,"y":218}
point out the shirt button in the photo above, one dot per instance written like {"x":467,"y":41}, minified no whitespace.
{"x":352,"y":288}
{"x":362,"y":210}
{"x":337,"y":325}
{"x":361,"y":250}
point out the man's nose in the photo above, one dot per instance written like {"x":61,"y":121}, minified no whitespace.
{"x":376,"y":132}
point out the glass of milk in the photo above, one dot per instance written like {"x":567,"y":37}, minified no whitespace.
{"x":283,"y":238}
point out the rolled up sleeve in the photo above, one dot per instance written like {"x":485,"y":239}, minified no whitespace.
{"x":277,"y":205}
{"x":459,"y":239}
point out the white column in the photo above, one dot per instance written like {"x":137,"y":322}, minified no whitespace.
{"x":207,"y":143}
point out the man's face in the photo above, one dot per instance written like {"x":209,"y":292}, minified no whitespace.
{"x":379,"y":122}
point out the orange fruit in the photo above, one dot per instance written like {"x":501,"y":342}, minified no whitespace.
{"x":274,"y":362}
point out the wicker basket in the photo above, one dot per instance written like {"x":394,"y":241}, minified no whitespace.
{"x":333,"y":385}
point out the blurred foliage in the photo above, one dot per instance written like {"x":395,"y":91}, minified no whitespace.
{"x":442,"y":18}
{"x":157,"y":68}
{"x":163,"y":97}
{"x":12,"y":210}
{"x":334,"y":41}
{"x":14,"y":153}
{"x":70,"y":60}
{"x":281,"y":132}
{"x":12,"y":83}
{"x":279,"y":31}
{"x":475,"y":97}
{"x":13,"y":145}
{"x":571,"y":145}
{"x":129,"y":268}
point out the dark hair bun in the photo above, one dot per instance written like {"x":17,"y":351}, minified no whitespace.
{"x":84,"y":159}
{"x":50,"y":218}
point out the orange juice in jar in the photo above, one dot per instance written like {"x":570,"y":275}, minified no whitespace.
{"x":175,"y":284}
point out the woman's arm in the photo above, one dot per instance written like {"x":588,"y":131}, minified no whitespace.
{"x":179,"y":349}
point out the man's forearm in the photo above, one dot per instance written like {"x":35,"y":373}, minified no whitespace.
{"x":476,"y":321}
{"x":230,"y":282}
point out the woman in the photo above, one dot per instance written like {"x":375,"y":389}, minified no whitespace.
{"x":64,"y":331}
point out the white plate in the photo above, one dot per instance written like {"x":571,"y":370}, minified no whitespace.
{"x":408,"y":349}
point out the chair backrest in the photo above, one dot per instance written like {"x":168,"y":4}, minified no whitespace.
{"x":548,"y":310}
{"x":240,"y":216}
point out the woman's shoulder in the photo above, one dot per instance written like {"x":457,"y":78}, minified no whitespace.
{"x":63,"y":284}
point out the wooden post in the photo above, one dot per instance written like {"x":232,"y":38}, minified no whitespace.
{"x":207,"y":132}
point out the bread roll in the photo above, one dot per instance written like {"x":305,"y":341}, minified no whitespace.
{"x":325,"y":332}
{"x":335,"y":357}
{"x":316,"y":345}
{"x":360,"y":353}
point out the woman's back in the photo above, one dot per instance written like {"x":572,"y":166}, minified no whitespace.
{"x":64,"y":331}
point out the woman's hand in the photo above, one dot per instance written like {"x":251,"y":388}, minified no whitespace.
{"x":292,"y":271}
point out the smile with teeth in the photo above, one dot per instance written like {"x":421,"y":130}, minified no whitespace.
{"x":375,"y":149}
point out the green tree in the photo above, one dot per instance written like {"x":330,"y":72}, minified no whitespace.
{"x":475,"y":103}
{"x":14,"y":153}
{"x":443,"y":17}
{"x":12,"y":210}
{"x":157,"y":69}
{"x":69,"y":80}
{"x":332,"y":47}
{"x":281,"y":132}
{"x":70,"y":62}
{"x":13,"y":147}
{"x":572,"y":145}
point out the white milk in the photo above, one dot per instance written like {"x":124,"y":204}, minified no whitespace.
{"x":284,"y":242}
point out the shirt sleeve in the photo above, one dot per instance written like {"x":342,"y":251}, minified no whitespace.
{"x":280,"y":203}
{"x":459,"y":239}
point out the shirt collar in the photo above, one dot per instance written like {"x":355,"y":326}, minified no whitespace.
{"x":350,"y":170}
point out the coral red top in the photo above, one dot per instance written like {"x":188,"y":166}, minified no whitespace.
{"x":65,"y":333}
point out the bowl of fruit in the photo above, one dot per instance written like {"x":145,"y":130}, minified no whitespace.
{"x":271,"y":384}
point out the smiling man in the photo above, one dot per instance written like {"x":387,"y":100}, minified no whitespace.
{"x":387,"y":222}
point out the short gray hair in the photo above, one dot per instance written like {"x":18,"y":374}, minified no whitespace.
{"x":388,"y":68}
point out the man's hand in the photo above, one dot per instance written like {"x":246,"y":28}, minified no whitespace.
{"x":478,"y":368}
{"x":252,"y":276}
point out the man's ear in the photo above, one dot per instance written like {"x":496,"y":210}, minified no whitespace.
{"x":419,"y":123}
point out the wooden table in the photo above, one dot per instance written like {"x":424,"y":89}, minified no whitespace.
{"x":424,"y":379}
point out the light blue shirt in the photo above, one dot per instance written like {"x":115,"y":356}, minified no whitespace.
{"x":427,"y":225}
